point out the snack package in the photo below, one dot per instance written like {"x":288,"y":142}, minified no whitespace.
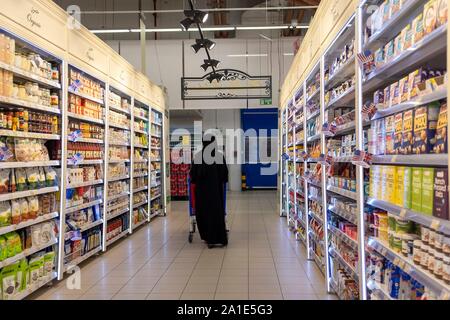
{"x":430,"y":16}
{"x":441,"y":194}
{"x":32,"y":178}
{"x":34,"y":268}
{"x":24,"y":210}
{"x":442,"y":12}
{"x":8,"y":276}
{"x":5,"y":214}
{"x":13,"y":244}
{"x":395,"y":94}
{"x":418,"y":30}
{"x":16,"y":216}
{"x":33,"y":207}
{"x":50,"y":177}
{"x":403,"y":90}
{"x":4,"y":180}
{"x":390,"y":135}
{"x":398,"y":140}
{"x":49,"y":263}
{"x":416,"y":199}
{"x":387,"y":97}
{"x":21,"y":179}
{"x":427,"y":191}
{"x":42,"y":181}
{"x":3,"y":249}
{"x":440,"y":146}
{"x":408,"y":132}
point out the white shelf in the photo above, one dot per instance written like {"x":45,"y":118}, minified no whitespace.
{"x":155,"y":160}
{"x":85,"y":118}
{"x":140,"y":189}
{"x":141,"y":146}
{"x":91,"y":225}
{"x":345,"y":264}
{"x":378,"y":290}
{"x":346,"y":159}
{"x":28,"y":193}
{"x":26,"y":253}
{"x":157,"y":124}
{"x":313,"y":96}
{"x":85,"y":96}
{"x":118,"y":213}
{"x":343,"y":192}
{"x":141,"y":118}
{"x":23,"y":294}
{"x":315,"y":216}
{"x":120,"y":161}
{"x":25,"y":224}
{"x":343,"y":214}
{"x":345,"y":238}
{"x":315,"y":184}
{"x":345,"y":128}
{"x":111,"y":241}
{"x":120,"y":110}
{"x":117,"y":196}
{"x":84,"y":184}
{"x":79,"y":260}
{"x":26,"y":75}
{"x":119,"y":126}
{"x":343,"y":100}
{"x":140,"y":204}
{"x":30,"y":135}
{"x":28,"y":105}
{"x":318,"y":200}
{"x":438,"y":94}
{"x":155,"y":198}
{"x":423,"y":159}
{"x":415,"y":271}
{"x":86,"y":162}
{"x":141,"y":161}
{"x":420,"y":218}
{"x":313,"y":138}
{"x":313,"y":115}
{"x":344,"y":72}
{"x":118,"y":178}
{"x":119,"y":144}
{"x":31,"y":164}
{"x":318,"y":261}
{"x":89,"y":140}
{"x":83,"y":206}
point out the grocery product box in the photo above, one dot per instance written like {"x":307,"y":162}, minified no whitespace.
{"x":408,"y":132}
{"x":427,"y":191}
{"x":442,"y":12}
{"x":400,"y":187}
{"x":425,"y":124}
{"x":416,"y":189}
{"x":441,"y":194}
{"x":430,"y":15}
{"x":407,"y":192}
{"x":390,"y":135}
{"x":398,"y":134}
{"x":391,"y":174}
{"x":441,"y":144}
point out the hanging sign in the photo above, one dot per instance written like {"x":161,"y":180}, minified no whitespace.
{"x":76,"y":159}
{"x":368,"y":111}
{"x":230,"y":84}
{"x":362,"y":159}
{"x":74,"y":136}
{"x":325,"y":160}
{"x":329,"y":129}
{"x":75,"y":85}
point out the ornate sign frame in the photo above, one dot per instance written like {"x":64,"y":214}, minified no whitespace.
{"x":234,"y":85}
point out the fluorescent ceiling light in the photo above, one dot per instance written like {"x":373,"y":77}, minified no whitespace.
{"x":248,"y":55}
{"x":288,"y":54}
{"x":195,"y":29}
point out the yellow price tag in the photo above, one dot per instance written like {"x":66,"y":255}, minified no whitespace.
{"x":403,"y":213}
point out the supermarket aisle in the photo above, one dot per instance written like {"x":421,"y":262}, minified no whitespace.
{"x":262,"y":261}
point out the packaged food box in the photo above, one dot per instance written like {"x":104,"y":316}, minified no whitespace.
{"x":403,"y":89}
{"x":408,"y":132}
{"x":427,"y":191}
{"x":407,"y":194}
{"x":391,"y":177}
{"x":398,"y":138}
{"x":378,"y":99}
{"x":400,"y":187}
{"x":441,"y":194}
{"x":441,"y":146}
{"x":407,"y":34}
{"x":442,"y":12}
{"x":390,"y":135}
{"x":425,"y":123}
{"x":416,"y":189}
{"x":389,"y":50}
{"x":415,"y":78}
{"x":386,"y":10}
{"x":430,"y":15}
{"x":418,"y":29}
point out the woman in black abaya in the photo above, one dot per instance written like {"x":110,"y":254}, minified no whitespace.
{"x":209,"y":173}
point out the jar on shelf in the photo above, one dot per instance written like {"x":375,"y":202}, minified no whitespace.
{"x":55,"y":73}
{"x":425,"y":233}
{"x":438,"y":264}
{"x":431,"y":259}
{"x":424,"y":258}
{"x":417,"y":251}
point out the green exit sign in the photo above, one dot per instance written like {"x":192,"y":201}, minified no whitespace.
{"x":265,"y":102}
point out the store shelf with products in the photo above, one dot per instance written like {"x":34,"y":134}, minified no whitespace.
{"x":156,"y":163}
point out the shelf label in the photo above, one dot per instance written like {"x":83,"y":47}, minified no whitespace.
{"x":435,"y":224}
{"x":76,"y":159}
{"x":74,"y":136}
{"x":403,"y":213}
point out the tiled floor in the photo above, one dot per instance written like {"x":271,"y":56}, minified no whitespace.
{"x":262,"y":261}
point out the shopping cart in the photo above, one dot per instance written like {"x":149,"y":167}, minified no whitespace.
{"x":192,"y":219}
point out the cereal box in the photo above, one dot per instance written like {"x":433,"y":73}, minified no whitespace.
{"x":403,"y":89}
{"x":430,"y":16}
{"x":408,"y":128}
{"x":395,"y":94}
{"x":418,"y":28}
{"x":391,"y":174}
{"x":379,"y":57}
{"x":387,"y":97}
{"x":386,"y":10}
{"x":442,"y":14}
{"x":390,"y":135}
{"x":425,"y":123}
{"x":395,"y":6}
{"x":398,"y":138}
{"x":441,"y":144}
{"x":407,"y":37}
{"x":389,"y":51}
{"x":415,"y":78}
{"x":416,"y":192}
{"x":441,"y":194}
{"x":407,"y":192}
{"x":427,"y":191}
{"x":398,"y":45}
{"x":400,"y":187}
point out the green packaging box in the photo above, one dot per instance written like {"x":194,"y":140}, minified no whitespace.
{"x":407,"y":191}
{"x":427,"y":191}
{"x":416,"y":198}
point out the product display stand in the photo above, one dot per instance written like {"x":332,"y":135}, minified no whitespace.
{"x":385,"y":216}
{"x":157,"y":206}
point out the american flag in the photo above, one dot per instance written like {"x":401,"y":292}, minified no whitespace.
{"x":368,"y":111}
{"x":365,"y":57}
{"x":362,"y":159}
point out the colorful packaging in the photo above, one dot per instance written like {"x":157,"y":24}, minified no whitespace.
{"x":408,"y":37}
{"x":416,"y":192}
{"x":441,"y":194}
{"x":390,"y":135}
{"x":408,"y":128}
{"x":400,"y":187}
{"x":427,"y":191}
{"x":430,"y":16}
{"x":425,"y":124}
{"x":386,"y":10}
{"x":418,"y":28}
{"x":442,"y":13}
{"x":440,"y":146}
{"x":387,"y":97}
{"x":389,"y":50}
{"x":407,"y":195}
{"x":395,"y":94}
{"x":403,"y":90}
{"x":398,"y":138}
{"x":391,"y":177}
{"x":414,"y":79}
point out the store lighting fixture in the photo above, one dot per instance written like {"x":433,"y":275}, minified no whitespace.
{"x":196,"y":16}
{"x":203,"y":43}
{"x":210,"y":63}
{"x":186,"y":24}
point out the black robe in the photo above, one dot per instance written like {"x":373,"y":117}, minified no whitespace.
{"x":210,"y":180}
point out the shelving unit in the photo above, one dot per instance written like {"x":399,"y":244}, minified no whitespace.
{"x":156,"y":164}
{"x":353,"y":212}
